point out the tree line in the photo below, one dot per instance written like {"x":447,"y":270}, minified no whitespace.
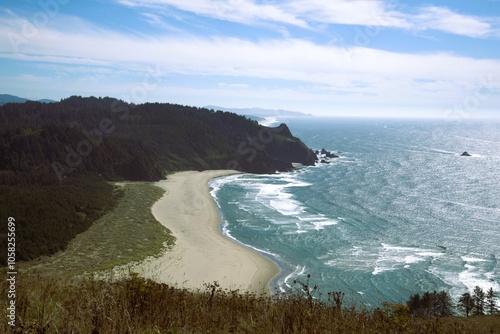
{"x":479,"y":303}
{"x":440,"y":304}
{"x":138,"y":142}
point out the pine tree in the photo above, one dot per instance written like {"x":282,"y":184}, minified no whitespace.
{"x":445,"y":304}
{"x":491,"y":304}
{"x":431,"y":304}
{"x":466,"y":303}
{"x":478,"y":297}
{"x":414,"y":305}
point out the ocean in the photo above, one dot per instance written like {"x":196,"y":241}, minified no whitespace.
{"x":400,"y":212}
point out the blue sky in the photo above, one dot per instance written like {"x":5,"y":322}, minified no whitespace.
{"x":337,"y":57}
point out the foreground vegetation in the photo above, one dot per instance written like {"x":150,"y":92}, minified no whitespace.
{"x":137,"y":305}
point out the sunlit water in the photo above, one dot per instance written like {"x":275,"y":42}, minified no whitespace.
{"x":399,"y":212}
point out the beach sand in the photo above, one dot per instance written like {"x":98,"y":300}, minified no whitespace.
{"x":202,"y":254}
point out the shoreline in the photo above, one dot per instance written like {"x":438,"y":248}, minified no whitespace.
{"x":202,"y":254}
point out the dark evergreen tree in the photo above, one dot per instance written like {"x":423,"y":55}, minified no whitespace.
{"x":414,"y":304}
{"x":430,"y":304}
{"x":444,"y":304}
{"x":466,"y":303}
{"x":479,"y":297}
{"x":491,"y":304}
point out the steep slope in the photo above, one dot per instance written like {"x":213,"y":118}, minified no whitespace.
{"x":138,"y":142}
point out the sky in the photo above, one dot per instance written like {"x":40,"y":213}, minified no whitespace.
{"x":333,"y":58}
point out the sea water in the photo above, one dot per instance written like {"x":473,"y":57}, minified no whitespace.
{"x":400,"y":212}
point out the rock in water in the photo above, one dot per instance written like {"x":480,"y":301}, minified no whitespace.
{"x":465,"y":154}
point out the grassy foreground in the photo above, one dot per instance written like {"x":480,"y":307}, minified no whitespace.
{"x":128,"y":233}
{"x":137,"y":305}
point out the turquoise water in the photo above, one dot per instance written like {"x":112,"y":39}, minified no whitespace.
{"x":399,"y":212}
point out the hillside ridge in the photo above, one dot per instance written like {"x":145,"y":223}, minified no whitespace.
{"x":143,"y":142}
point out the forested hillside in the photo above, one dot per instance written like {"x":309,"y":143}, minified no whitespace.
{"x":55,"y":158}
{"x":138,"y":142}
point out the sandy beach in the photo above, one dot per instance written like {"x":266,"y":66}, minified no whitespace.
{"x":201,"y":253}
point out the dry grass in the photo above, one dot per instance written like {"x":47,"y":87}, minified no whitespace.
{"x":137,"y":305}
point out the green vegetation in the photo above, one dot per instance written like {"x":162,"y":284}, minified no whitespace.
{"x":128,"y":233}
{"x":119,"y":141}
{"x":430,"y":305}
{"x":55,"y":159}
{"x":49,"y":216}
{"x":137,"y":305}
{"x":478,"y":303}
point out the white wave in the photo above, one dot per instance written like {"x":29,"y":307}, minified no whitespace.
{"x":216,"y":183}
{"x":410,"y":259}
{"x":379,"y":270}
{"x":286,"y":208}
{"x":319,"y":225}
{"x":475,"y":273}
{"x":472,"y":276}
{"x":472,"y":259}
{"x":275,"y":196}
{"x":224,"y":226}
{"x":298,"y":231}
{"x":395,"y":257}
{"x":464,"y":273}
{"x":319,"y":221}
{"x":299,"y":271}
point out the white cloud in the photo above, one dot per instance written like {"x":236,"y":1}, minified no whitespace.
{"x":357,"y":12}
{"x":307,"y":13}
{"x":233,"y":85}
{"x":309,"y":71}
{"x":443,"y":19}
{"x":158,"y":22}
{"x":288,"y":59}
{"x":243,"y":11}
